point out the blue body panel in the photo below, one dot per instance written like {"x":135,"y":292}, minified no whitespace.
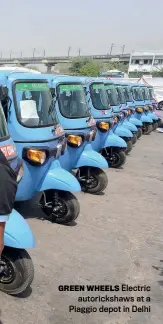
{"x":18,"y":233}
{"x":59,"y":179}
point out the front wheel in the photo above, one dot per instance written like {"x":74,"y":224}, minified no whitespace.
{"x":155,"y":125}
{"x":147,"y":129}
{"x":134,"y":139}
{"x":60,"y":207}
{"x":93,"y":180}
{"x":129,"y":146}
{"x":115,"y":158}
{"x":18,"y":271}
{"x":140,"y":132}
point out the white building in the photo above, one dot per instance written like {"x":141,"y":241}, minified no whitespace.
{"x":146,"y":61}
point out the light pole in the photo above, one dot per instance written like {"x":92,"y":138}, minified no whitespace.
{"x":10,"y":54}
{"x":44,"y":53}
{"x":111,"y":48}
{"x":69,"y":49}
{"x":123,"y":49}
{"x":34,"y":50}
{"x":21,"y":54}
{"x":79,"y":52}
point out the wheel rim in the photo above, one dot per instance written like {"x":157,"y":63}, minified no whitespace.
{"x":59,"y":211}
{"x":113,"y":158}
{"x":92,"y":182}
{"x":8,"y":275}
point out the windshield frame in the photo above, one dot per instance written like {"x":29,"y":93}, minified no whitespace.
{"x":145,"y":89}
{"x":127,"y":88}
{"x":8,"y":136}
{"x":139,"y":88}
{"x":90,"y":88}
{"x":112,"y":86}
{"x":121,"y":94}
{"x":59,"y":103}
{"x":151,"y":90}
{"x":16,"y":103}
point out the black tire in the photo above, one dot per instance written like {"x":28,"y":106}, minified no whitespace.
{"x":134,"y":139}
{"x":155,"y":125}
{"x":159,"y":122}
{"x":22,"y":271}
{"x":99,"y":179}
{"x":160,"y":105}
{"x":68,"y":209}
{"x":129,"y":147}
{"x":115,"y":158}
{"x":147,"y":129}
{"x":140,"y":132}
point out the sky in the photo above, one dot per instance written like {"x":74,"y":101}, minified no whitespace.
{"x":91,"y":25}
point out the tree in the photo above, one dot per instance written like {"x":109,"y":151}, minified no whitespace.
{"x":158,"y":73}
{"x":85,"y":67}
{"x":91,"y":69}
{"x":114,"y":65}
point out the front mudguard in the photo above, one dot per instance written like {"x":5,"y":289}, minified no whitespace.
{"x":59,"y":179}
{"x":114,"y":141}
{"x":136,"y":121}
{"x":130,"y":126}
{"x":153,"y":116}
{"x":145,"y":119}
{"x":18,"y":233}
{"x":91,"y":158}
{"x":123,"y":132}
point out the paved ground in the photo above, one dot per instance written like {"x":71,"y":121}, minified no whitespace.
{"x":118,"y":239}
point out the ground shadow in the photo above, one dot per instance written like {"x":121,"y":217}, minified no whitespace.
{"x":160,"y":268}
{"x":0,"y":316}
{"x":31,"y":210}
{"x":25,"y":294}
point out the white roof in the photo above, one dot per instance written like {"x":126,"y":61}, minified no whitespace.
{"x":18,"y":68}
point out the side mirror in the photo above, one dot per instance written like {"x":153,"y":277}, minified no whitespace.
{"x":3,"y":93}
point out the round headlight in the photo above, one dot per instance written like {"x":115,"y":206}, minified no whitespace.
{"x":139,"y":109}
{"x":74,"y":140}
{"x":103,"y":126}
{"x":36,"y":156}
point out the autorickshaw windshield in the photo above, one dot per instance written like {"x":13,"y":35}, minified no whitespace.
{"x":127,"y":93}
{"x":112,"y":95}
{"x":151,"y":93}
{"x":121,"y":95}
{"x":99,"y":96}
{"x":137,"y":94}
{"x":34,"y":104}
{"x":145,"y":93}
{"x":3,"y":125}
{"x":72,"y":101}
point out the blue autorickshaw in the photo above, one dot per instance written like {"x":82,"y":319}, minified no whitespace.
{"x":130,"y":108}
{"x":74,"y":115}
{"x":17,"y":270}
{"x":140,"y":108}
{"x":110,"y":145}
{"x":154,"y":102}
{"x":123,"y":108}
{"x":148,"y":106}
{"x":118,"y":128}
{"x":40,"y":141}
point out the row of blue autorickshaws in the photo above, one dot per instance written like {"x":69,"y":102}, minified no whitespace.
{"x":59,"y":133}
